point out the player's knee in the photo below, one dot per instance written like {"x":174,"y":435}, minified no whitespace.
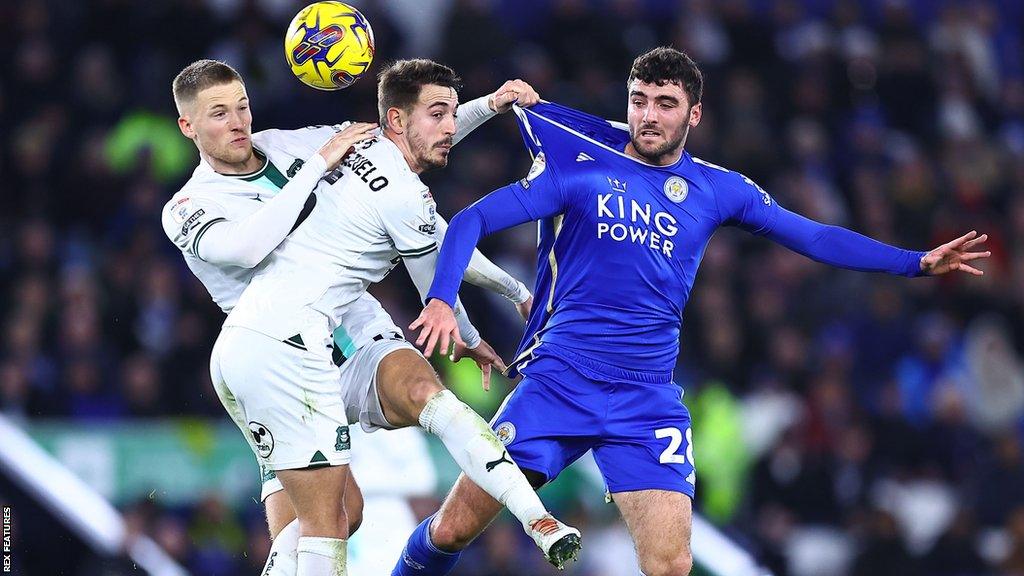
{"x":420,"y":388}
{"x":678,"y":564}
{"x":448,"y":536}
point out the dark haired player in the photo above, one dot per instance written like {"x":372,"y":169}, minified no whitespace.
{"x":625,"y":218}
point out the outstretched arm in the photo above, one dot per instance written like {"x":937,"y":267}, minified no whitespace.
{"x":847,"y":249}
{"x":474,"y":113}
{"x":841,"y":247}
{"x":741,"y":201}
{"x":247,"y":241}
{"x":486,"y":274}
{"x":503,"y":208}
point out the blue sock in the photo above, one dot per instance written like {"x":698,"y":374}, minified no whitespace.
{"x":422,"y":558}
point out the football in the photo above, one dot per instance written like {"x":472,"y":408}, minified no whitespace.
{"x":329,"y":45}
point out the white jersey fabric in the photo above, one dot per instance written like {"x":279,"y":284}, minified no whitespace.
{"x":370,"y":213}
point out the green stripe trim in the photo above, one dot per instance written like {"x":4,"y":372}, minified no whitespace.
{"x":201,"y":233}
{"x":419,"y":252}
{"x":275,"y":176}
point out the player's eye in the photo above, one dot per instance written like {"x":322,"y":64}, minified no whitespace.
{"x":438,"y":115}
{"x":638,"y":103}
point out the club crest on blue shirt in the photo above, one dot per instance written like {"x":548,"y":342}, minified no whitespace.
{"x":676,"y":189}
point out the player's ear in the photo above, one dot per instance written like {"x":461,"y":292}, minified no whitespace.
{"x":186,"y":127}
{"x":695,"y":114}
{"x":396,"y":120}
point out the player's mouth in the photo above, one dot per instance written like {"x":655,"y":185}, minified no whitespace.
{"x":240,"y":141}
{"x":650,"y":134}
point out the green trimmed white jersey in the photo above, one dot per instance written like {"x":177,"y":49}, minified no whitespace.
{"x":209,"y":197}
{"x":369,"y":213}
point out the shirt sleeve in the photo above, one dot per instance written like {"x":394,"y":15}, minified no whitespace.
{"x":540,"y":195}
{"x":741,"y":202}
{"x":208,"y":233}
{"x":408,"y":214}
{"x":840,"y":247}
{"x":471,"y":116}
{"x":421,"y":270}
{"x":188,"y":216}
{"x":486,"y":274}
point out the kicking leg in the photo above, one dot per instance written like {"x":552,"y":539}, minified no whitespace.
{"x":436,"y":544}
{"x":659,"y":522}
{"x":410,"y":393}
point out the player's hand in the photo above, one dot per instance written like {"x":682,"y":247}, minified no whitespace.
{"x":513,"y":91}
{"x":525,"y":307}
{"x":344,"y":142}
{"x":484,"y":356}
{"x":439,"y":327}
{"x":955,"y":255}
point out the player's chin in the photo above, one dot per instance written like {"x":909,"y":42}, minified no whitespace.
{"x":438,"y":160}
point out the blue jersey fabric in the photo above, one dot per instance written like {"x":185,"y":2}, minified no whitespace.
{"x":621,"y":241}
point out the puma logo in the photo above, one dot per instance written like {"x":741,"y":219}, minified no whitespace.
{"x":504,"y":458}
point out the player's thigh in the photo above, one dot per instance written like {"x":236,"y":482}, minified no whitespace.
{"x":366,"y":393}
{"x":287,"y":396}
{"x":464,"y":514}
{"x":405,"y":382}
{"x":660,"y":523}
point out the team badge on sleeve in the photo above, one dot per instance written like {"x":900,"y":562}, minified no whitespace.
{"x":676,"y":189}
{"x":536,"y":169}
{"x":181,"y":209}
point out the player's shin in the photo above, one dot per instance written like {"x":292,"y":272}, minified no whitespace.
{"x":283,"y":557}
{"x":421,"y":558}
{"x":319,"y":556}
{"x":480,"y":454}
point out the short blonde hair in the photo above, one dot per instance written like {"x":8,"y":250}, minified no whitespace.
{"x":198,"y":76}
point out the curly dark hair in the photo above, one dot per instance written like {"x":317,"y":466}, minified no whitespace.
{"x":399,"y":83}
{"x":665,"y":64}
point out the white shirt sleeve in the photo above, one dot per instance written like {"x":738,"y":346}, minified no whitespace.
{"x":486,"y":274}
{"x":471,"y":116}
{"x":408,"y":214}
{"x":204,"y":229}
{"x":421,"y":270}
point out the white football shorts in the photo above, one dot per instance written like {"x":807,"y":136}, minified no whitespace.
{"x":359,"y":391}
{"x":283,"y":395}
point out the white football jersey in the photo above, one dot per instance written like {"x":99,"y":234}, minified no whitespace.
{"x":369,"y":213}
{"x":209,"y":197}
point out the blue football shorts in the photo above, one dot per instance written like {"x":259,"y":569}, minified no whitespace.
{"x":639,"y":432}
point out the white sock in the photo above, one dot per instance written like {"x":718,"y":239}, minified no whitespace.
{"x":321,"y":556}
{"x":284,"y":558}
{"x":473,"y":445}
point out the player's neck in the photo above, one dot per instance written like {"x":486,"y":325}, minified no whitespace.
{"x":403,"y":146}
{"x":666,"y":159}
{"x":248,"y":166}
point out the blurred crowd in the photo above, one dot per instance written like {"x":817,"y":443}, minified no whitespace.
{"x":845,"y":423}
